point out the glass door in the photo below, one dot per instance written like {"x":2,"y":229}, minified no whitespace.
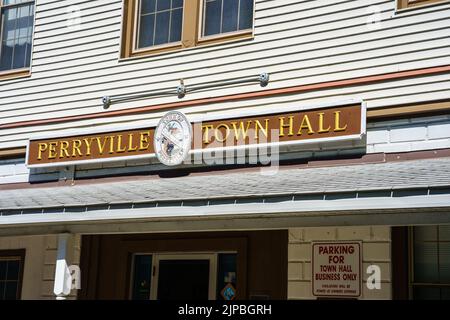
{"x":184,"y":277}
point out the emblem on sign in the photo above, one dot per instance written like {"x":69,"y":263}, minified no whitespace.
{"x":173,"y":137}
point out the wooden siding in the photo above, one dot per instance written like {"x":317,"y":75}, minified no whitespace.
{"x":298,"y":42}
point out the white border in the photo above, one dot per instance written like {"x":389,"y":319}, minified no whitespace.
{"x":204,"y":118}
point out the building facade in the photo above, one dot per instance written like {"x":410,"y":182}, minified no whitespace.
{"x":225,"y":149}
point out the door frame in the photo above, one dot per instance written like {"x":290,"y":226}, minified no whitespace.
{"x":211,"y":257}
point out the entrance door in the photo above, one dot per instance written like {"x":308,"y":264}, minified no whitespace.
{"x":184,"y":277}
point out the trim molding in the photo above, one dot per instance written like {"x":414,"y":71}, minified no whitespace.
{"x":409,"y":109}
{"x":6,"y":153}
{"x":236,"y":97}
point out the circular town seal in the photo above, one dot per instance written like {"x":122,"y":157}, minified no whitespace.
{"x":173,"y":137}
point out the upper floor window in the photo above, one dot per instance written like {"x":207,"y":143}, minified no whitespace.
{"x":11,"y":271}
{"x":159,"y":25}
{"x":159,"y":22}
{"x":223,"y":16}
{"x":403,"y":4}
{"x":16,"y":33}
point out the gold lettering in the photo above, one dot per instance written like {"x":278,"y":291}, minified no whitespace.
{"x":337,"y":122}
{"x":64,"y":147}
{"x":42,"y":148}
{"x":321,"y":128}
{"x":143,"y":140}
{"x":306,"y":124}
{"x":218,"y":133}
{"x":206,"y":138}
{"x":119,"y":144}
{"x":76,"y":144}
{"x":259,"y":127}
{"x":237,"y":132}
{"x":111,"y":144}
{"x":283,"y":126}
{"x":88,"y":146}
{"x":130,"y":143}
{"x":52,"y":150}
{"x":101,"y":147}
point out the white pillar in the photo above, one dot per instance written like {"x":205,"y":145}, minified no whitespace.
{"x":63,"y":280}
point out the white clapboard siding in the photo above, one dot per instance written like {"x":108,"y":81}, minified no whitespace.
{"x":298,"y":42}
{"x":399,"y":91}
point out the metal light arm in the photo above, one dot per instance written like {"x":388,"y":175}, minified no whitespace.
{"x":182,"y":89}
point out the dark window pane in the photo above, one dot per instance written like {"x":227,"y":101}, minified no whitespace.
{"x":148,"y":6}
{"x":212,"y":17}
{"x":2,"y":290}
{"x":19,"y":54}
{"x":426,"y":293}
{"x":177,"y":4}
{"x":9,"y":19}
{"x":246,"y":14}
{"x":444,"y":233}
{"x":425,"y":262}
{"x":28,"y":54}
{"x":444,"y":262}
{"x":163,"y":5}
{"x":428,"y":233}
{"x":230,"y":13}
{"x":13,"y":270}
{"x":445,"y":293}
{"x":226,"y":273}
{"x":183,"y":280}
{"x":6,"y":55}
{"x":11,"y":290}
{"x":175,"y":28}
{"x":162,"y":27}
{"x":5,"y":2}
{"x":147,"y":24}
{"x":23,"y":22}
{"x":142,"y":277}
{"x":3,"y":270}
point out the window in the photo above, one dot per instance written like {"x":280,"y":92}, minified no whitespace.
{"x":223,"y":16}
{"x":431,"y":262}
{"x":159,"y":22}
{"x":16,"y":32}
{"x":403,"y":4}
{"x":152,"y":26}
{"x":11,"y":271}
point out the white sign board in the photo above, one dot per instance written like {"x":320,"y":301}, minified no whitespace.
{"x":336,"y":268}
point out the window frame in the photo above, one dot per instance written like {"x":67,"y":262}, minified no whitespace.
{"x":191,"y":33}
{"x":412,"y":282}
{"x":402,"y":5}
{"x":20,"y":254}
{"x":20,"y":72}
